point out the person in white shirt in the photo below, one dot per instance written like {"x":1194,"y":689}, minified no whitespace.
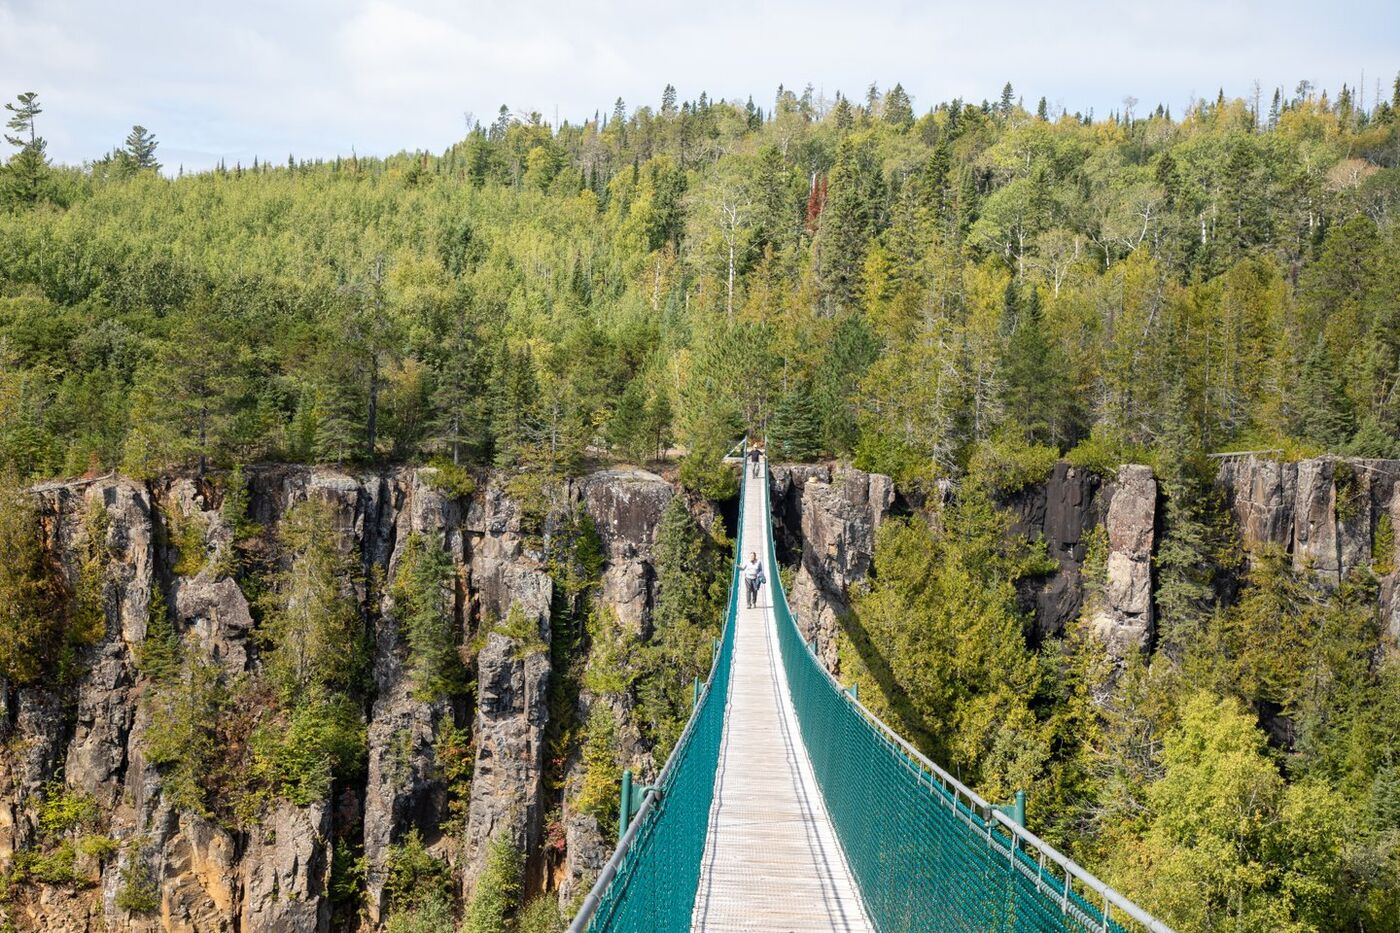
{"x":752,"y":572}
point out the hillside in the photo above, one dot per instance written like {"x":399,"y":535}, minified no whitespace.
{"x":333,"y":598}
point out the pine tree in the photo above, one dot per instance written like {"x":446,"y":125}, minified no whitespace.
{"x":627,"y":428}
{"x":1007,"y":96}
{"x":1042,"y":110}
{"x":27,"y":169}
{"x":1031,"y":394}
{"x":141,"y":149}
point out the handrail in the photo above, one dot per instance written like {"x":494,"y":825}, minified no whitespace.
{"x":605,"y":878}
{"x":1020,"y":836}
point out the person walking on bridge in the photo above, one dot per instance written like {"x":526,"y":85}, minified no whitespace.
{"x":755,"y":456}
{"x":752,"y":572}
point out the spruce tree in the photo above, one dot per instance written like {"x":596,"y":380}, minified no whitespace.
{"x":1324,"y":413}
{"x":898,"y":110}
{"x":796,"y":428}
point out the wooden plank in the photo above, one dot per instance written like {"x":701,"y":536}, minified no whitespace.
{"x":772,"y":859}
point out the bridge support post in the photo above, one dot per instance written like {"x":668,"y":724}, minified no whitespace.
{"x":695,"y":693}
{"x":854,"y":691}
{"x":1018,"y":810}
{"x":624,"y":810}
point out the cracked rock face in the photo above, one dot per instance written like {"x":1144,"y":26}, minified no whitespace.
{"x":1323,"y":513}
{"x":1125,"y":621}
{"x":839,"y":511}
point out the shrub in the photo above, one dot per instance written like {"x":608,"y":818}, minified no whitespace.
{"x":1383,"y":546}
{"x":1008,"y":463}
{"x":414,"y":876}
{"x":704,"y":472}
{"x":598,"y":793}
{"x":34,"y":635}
{"x":65,"y":810}
{"x":497,"y":890}
{"x":451,"y":479}
{"x":188,"y":534}
{"x":523,"y":629}
{"x":139,"y":892}
{"x":299,"y":756}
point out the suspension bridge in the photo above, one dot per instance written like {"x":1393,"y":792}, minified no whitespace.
{"x":788,"y":806}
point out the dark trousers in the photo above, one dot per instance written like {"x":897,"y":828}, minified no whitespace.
{"x":752,"y":587}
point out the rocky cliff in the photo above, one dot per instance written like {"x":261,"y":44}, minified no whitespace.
{"x":142,"y":862}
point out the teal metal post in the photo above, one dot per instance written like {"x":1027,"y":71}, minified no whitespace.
{"x":624,"y":812}
{"x":695,"y":692}
{"x":1018,"y":812}
{"x":854,"y":691}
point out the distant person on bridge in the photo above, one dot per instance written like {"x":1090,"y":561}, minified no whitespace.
{"x":755,"y":456}
{"x":753,"y":578}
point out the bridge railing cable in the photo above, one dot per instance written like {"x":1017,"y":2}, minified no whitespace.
{"x":927,"y":852}
{"x":651,"y":879}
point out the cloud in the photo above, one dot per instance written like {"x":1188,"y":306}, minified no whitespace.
{"x":316,"y":78}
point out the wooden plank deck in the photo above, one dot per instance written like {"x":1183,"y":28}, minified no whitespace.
{"x":772,"y":860}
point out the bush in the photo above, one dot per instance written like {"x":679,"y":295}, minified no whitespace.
{"x":451,"y":479}
{"x":159,"y":654}
{"x":598,"y":793}
{"x":188,"y":534}
{"x":299,"y":757}
{"x":183,"y":740}
{"x":414,"y":876}
{"x":64,"y":810}
{"x":34,"y":635}
{"x":523,"y":629}
{"x":704,"y":472}
{"x":139,"y":893}
{"x":542,"y":915}
{"x":1008,"y":463}
{"x":497,"y":890}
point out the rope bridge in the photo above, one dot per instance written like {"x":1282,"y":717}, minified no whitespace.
{"x":885,"y":827}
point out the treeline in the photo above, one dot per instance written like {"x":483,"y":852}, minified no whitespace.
{"x":863,"y":281}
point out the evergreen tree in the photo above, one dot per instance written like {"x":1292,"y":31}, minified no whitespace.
{"x":796,"y":428}
{"x":1324,"y":414}
{"x":25,"y":174}
{"x":850,"y":218}
{"x":1042,"y":110}
{"x":141,"y":150}
{"x":1007,"y":96}
{"x":898,"y":109}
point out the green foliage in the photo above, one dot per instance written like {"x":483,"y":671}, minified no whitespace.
{"x":602,"y":775}
{"x":139,"y":893}
{"x":35,"y":634}
{"x":524,"y":630}
{"x":188,"y":533}
{"x":1008,"y":463}
{"x":423,"y":593}
{"x":704,"y":472}
{"x":312,"y":627}
{"x":346,"y":887}
{"x":1383,"y":546}
{"x":322,"y":738}
{"x":692,"y":587}
{"x":451,"y":479}
{"x":942,"y":626}
{"x":183,"y":740}
{"x":432,"y":915}
{"x":497,"y":889}
{"x":414,"y":876}
{"x":796,"y":429}
{"x":159,"y":655}
{"x":64,"y":811}
{"x":454,"y":757}
{"x":542,"y":915}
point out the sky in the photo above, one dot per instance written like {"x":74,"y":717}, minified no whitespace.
{"x":325,"y":77}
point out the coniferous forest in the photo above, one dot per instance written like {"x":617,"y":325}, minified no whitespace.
{"x":956,"y":294}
